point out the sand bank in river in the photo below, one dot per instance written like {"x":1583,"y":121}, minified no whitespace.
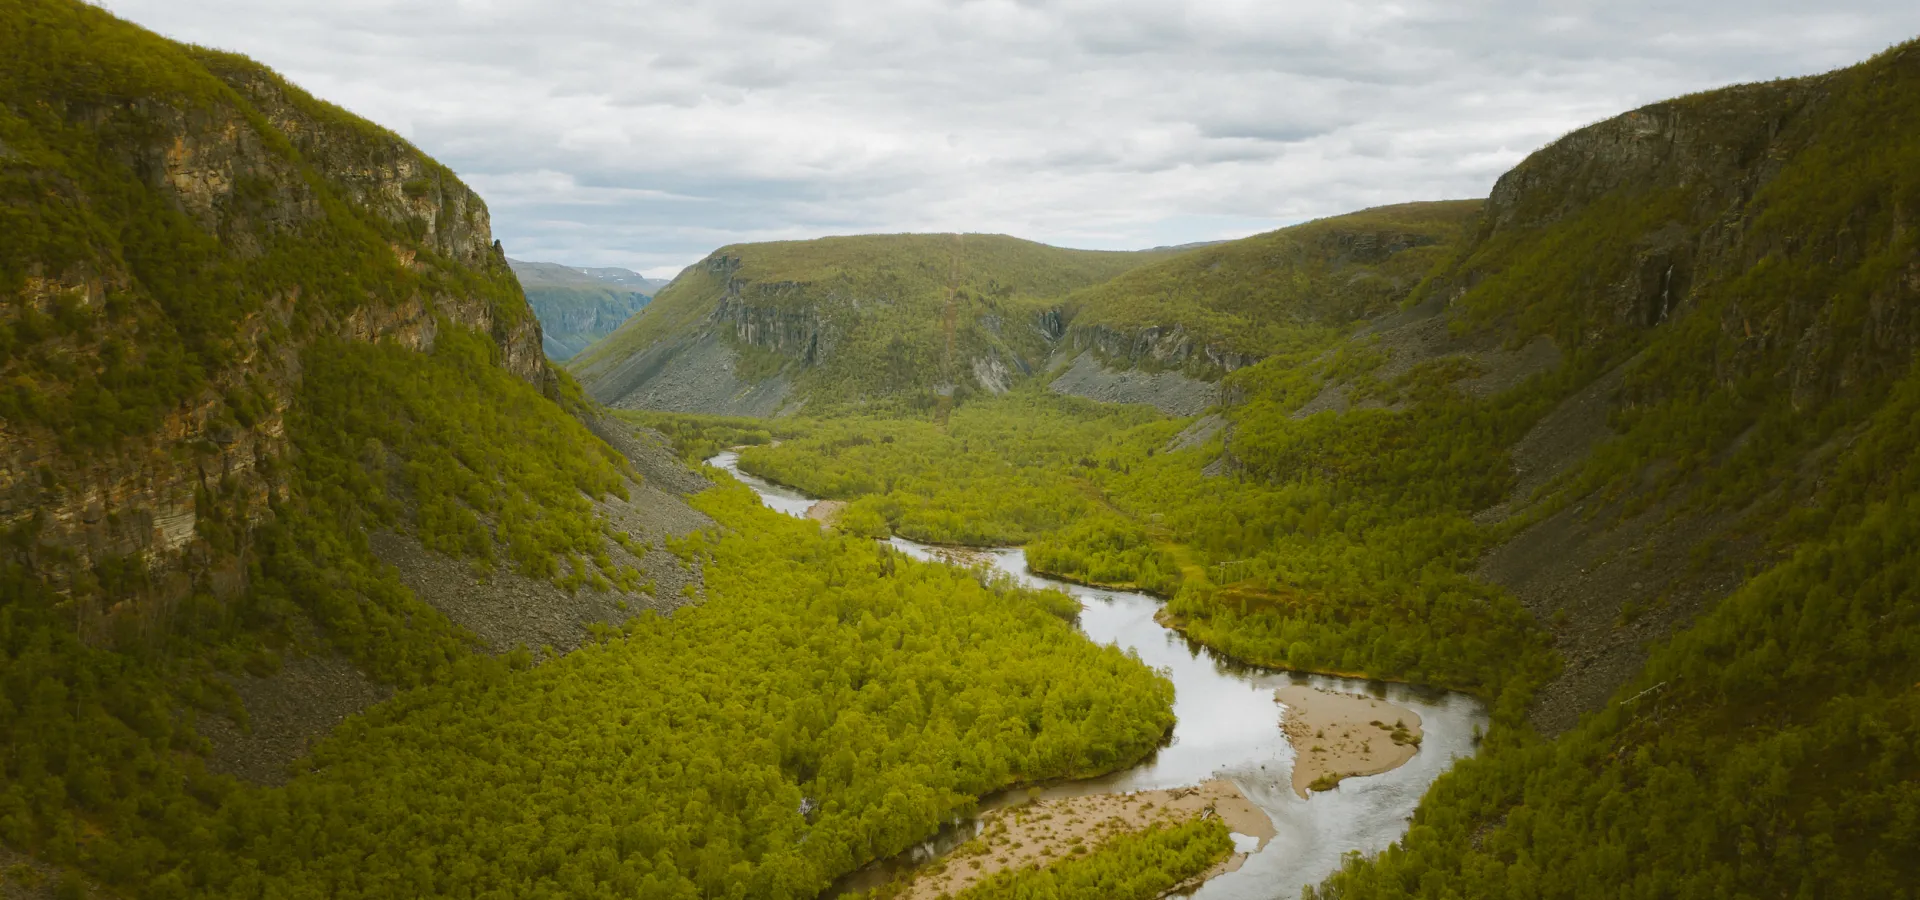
{"x":826,"y":511}
{"x":1041,"y":834}
{"x":1337,"y":736}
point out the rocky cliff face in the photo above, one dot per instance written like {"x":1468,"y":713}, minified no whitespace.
{"x":236,"y":186}
{"x":592,"y":315}
{"x":1155,"y":348}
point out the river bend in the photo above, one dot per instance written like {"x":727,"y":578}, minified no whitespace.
{"x":1229,"y":727}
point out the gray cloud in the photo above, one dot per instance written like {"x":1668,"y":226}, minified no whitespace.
{"x":645,"y":133}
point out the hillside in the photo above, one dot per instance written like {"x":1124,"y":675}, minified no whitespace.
{"x":577,"y":306}
{"x":1164,"y":334}
{"x":1634,"y":460}
{"x":1733,"y":276}
{"x":877,"y":320}
{"x":1228,"y":304}
{"x":274,"y":402}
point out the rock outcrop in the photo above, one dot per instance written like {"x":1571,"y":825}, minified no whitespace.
{"x":247,"y":183}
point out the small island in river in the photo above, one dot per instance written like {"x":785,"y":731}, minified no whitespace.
{"x":1336,"y":735}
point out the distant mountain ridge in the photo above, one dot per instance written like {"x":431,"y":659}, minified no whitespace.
{"x":932,"y":316}
{"x":561,"y":273}
{"x":578,"y":305}
{"x":861,"y":321}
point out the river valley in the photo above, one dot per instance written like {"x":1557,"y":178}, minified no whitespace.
{"x":1229,"y":728}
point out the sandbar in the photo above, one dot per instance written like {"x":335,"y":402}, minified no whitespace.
{"x":1040,"y":834}
{"x":826,"y":511}
{"x":1336,"y":735}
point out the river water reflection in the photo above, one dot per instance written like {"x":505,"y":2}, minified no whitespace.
{"x":1229,"y":727}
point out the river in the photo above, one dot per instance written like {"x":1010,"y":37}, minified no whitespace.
{"x":1229,"y":727}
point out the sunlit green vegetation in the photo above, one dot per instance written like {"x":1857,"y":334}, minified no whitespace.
{"x":897,"y":316}
{"x":698,"y":438}
{"x":1278,"y":291}
{"x":1340,"y":544}
{"x":999,"y":472}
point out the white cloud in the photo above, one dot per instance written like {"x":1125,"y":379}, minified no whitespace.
{"x":644,"y":134}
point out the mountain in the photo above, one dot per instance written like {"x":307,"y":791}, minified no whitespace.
{"x":1158,"y":326}
{"x":578,"y":306}
{"x":319,"y":580}
{"x":875,"y":320}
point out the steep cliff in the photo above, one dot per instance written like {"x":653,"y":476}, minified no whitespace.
{"x":854,"y":321}
{"x":263,"y":371}
{"x":578,"y":306}
{"x":180,"y":224}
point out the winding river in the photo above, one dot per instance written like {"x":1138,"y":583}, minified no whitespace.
{"x":1229,"y":727}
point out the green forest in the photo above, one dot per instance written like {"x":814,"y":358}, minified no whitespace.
{"x":1768,"y":750}
{"x":1351,"y":561}
{"x":884,"y":696}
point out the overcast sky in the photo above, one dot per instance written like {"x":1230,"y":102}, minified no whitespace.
{"x":645,"y":134}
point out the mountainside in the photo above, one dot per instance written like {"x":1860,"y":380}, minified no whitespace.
{"x":1733,"y":277}
{"x":180,"y":224}
{"x":579,"y":306}
{"x":846,"y":321}
{"x":276,"y":438}
{"x":1165,"y":333}
{"x":1238,"y":301}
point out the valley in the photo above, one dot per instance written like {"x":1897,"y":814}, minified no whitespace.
{"x":1560,"y":543}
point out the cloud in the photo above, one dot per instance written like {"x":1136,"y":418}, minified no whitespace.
{"x":646,"y":133}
